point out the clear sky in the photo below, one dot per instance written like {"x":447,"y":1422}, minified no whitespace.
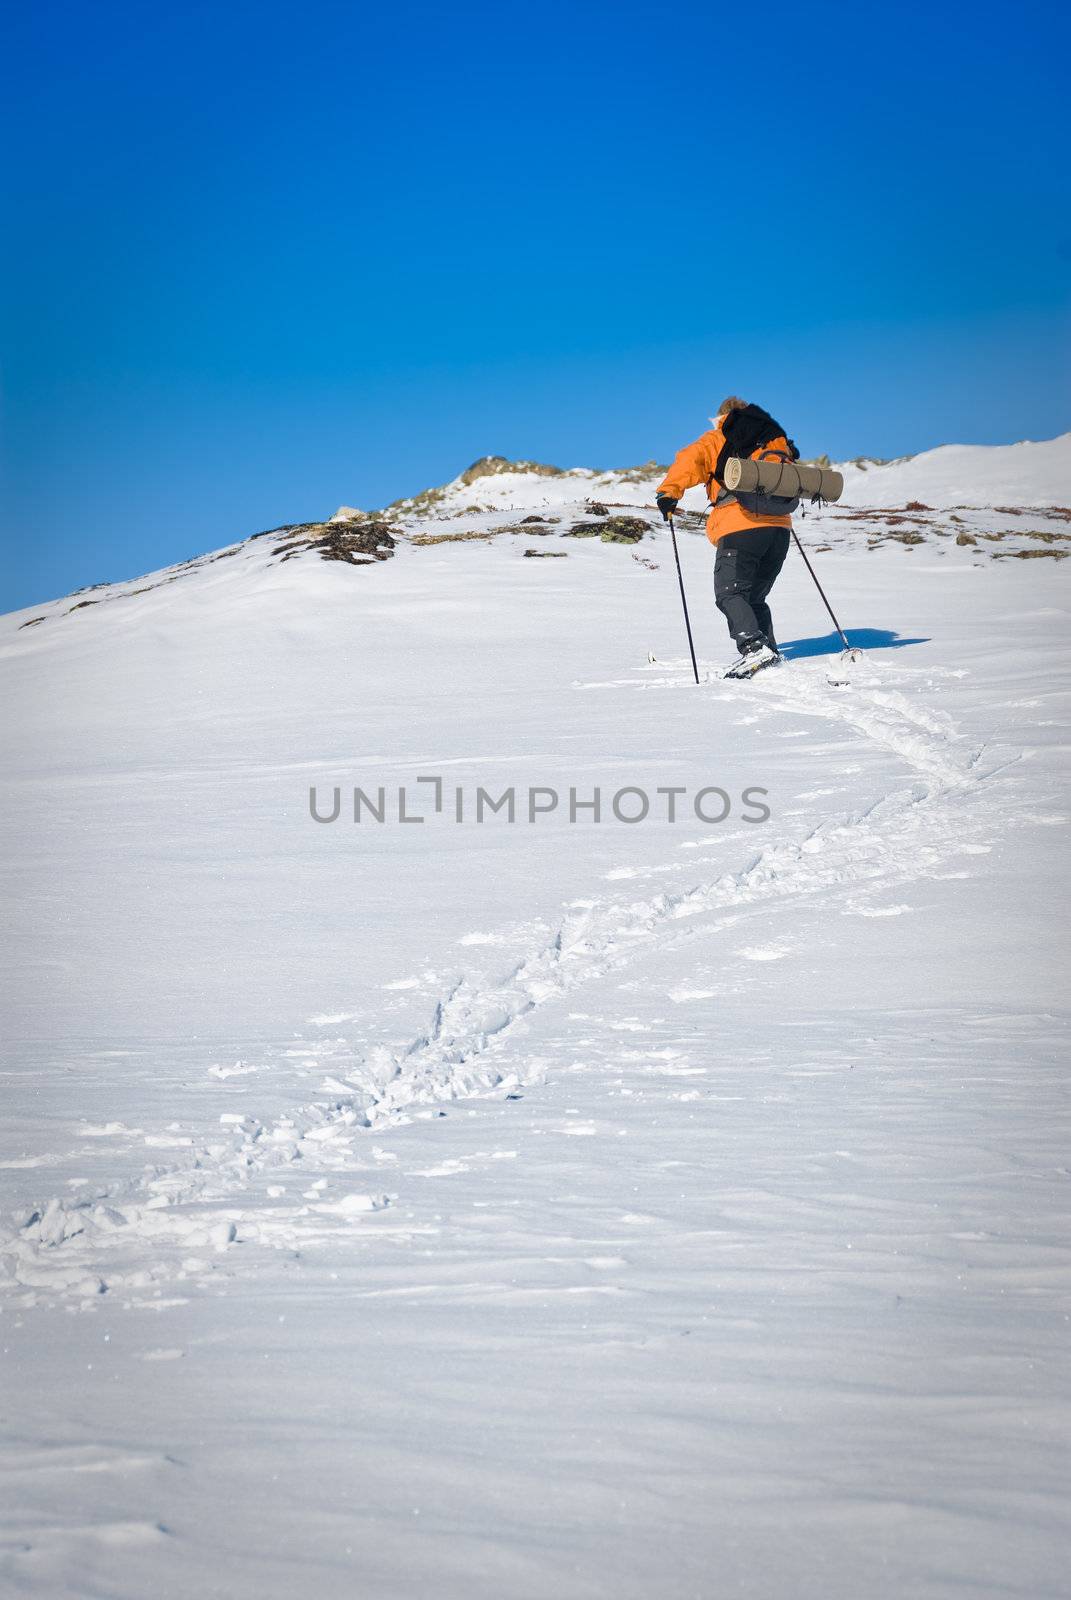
{"x":262,"y":258}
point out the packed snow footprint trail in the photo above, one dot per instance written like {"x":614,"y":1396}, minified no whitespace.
{"x":92,"y":1245}
{"x":886,"y":717}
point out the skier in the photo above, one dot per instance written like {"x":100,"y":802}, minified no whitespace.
{"x":749,"y":531}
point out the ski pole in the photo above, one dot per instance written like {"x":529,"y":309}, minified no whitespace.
{"x":684,"y":602}
{"x":822,"y":592}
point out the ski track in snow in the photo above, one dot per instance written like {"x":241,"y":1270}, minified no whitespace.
{"x":78,"y":1248}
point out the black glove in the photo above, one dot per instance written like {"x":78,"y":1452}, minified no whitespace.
{"x":667,"y":505}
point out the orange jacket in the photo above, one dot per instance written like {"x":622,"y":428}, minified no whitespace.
{"x":695,"y":464}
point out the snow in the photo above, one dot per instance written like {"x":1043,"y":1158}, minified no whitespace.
{"x":546,"y":1207}
{"x":1025,"y":474}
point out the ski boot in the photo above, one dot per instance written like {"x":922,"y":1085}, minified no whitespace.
{"x":754,"y":656}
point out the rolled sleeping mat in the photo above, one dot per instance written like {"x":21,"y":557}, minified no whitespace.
{"x":789,"y":478}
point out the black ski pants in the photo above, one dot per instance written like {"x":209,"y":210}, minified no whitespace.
{"x":745,"y":570}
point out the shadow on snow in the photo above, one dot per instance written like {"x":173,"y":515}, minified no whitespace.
{"x":859,"y":638}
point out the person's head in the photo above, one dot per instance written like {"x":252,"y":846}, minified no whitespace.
{"x":733,"y":403}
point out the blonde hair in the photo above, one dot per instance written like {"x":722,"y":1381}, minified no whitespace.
{"x":734,"y":404}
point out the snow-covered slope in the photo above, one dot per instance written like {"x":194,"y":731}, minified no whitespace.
{"x":966,"y":503}
{"x":476,"y":1207}
{"x":1022,"y":475}
{"x":1008,"y":500}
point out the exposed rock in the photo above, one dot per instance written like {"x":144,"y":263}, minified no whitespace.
{"x":642,"y":473}
{"x":614,"y":530}
{"x":624,"y":530}
{"x":892,"y":518}
{"x":495,"y":466}
{"x":1025,"y":555}
{"x":690,"y":521}
{"x":452,"y":538}
{"x":356,"y":543}
{"x":533,"y":527}
{"x":548,"y":555}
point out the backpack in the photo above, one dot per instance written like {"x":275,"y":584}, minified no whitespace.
{"x":746,"y":430}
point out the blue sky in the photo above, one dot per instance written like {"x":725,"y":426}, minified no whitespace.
{"x":264,"y":259}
